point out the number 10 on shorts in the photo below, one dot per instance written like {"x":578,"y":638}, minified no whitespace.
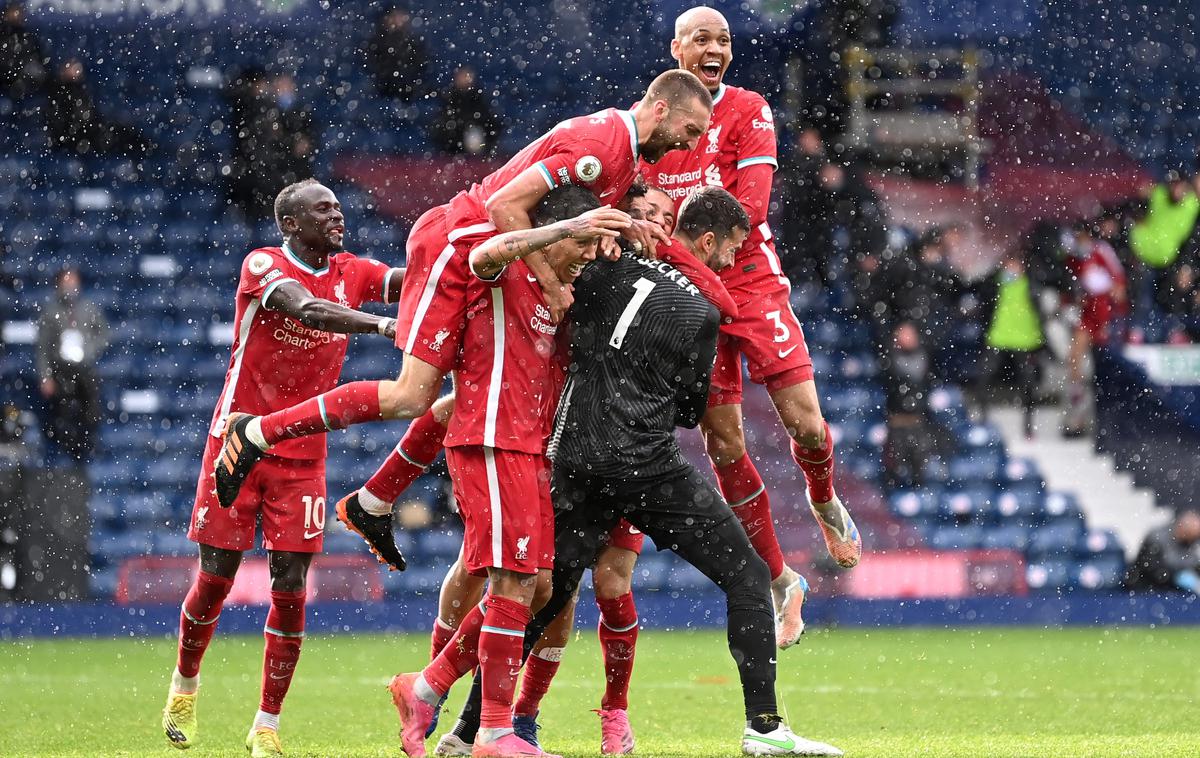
{"x":314,"y":513}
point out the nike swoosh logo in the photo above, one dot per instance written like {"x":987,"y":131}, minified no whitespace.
{"x":786,"y":353}
{"x":606,"y":194}
{"x":278,"y":676}
{"x":531,"y":278}
{"x":310,"y":535}
{"x":783,"y":744}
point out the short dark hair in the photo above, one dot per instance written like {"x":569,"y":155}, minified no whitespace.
{"x":561,"y":203}
{"x":711,"y":209}
{"x":287,"y":201}
{"x":678,"y":87}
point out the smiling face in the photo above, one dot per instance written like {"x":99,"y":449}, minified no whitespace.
{"x":568,"y":257}
{"x":318,"y":224}
{"x":679,"y":127}
{"x":703,"y":45}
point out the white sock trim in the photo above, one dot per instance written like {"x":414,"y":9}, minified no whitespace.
{"x":184,"y":685}
{"x":425,"y":691}
{"x":254,"y":433}
{"x":491,"y":735}
{"x":264,"y":720}
{"x":372,"y":503}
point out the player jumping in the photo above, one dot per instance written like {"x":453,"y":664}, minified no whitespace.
{"x":295,"y":306}
{"x":739,"y":155}
{"x":600,"y":152}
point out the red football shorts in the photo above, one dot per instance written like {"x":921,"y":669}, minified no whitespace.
{"x":290,"y":495}
{"x":433,"y":298}
{"x":767,"y":332}
{"x":504,"y":501}
{"x":626,"y":536}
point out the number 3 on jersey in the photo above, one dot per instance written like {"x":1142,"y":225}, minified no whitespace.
{"x":642,"y":289}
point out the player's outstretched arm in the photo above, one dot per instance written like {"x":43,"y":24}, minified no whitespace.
{"x":294,"y":300}
{"x":490,"y":258}
{"x":510,"y":209}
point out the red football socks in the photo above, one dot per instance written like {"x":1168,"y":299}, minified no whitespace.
{"x":500,"y":641}
{"x":415,"y":453}
{"x":284,"y":633}
{"x":353,"y":403}
{"x":198,"y":619}
{"x":460,"y":654}
{"x":618,"y":639}
{"x":817,"y":465}
{"x":744,"y":491}
{"x":535,"y":683}
{"x":441,"y":636}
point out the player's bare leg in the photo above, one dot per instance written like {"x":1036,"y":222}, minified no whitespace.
{"x":1081,"y":345}
{"x":368,"y":511}
{"x":197,"y":623}
{"x":247,"y":437}
{"x":284,"y":634}
{"x":812,"y":448}
{"x":612,"y":581}
{"x":743,"y":489}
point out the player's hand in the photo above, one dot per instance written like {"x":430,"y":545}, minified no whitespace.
{"x":559,"y":297}
{"x":645,"y":236}
{"x":605,"y":224}
{"x":387,"y":328}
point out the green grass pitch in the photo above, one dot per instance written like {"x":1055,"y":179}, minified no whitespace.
{"x":973,"y":693}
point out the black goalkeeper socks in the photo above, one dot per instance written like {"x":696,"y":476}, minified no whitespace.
{"x":764,"y":723}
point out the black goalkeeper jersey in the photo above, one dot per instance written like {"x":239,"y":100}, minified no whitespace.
{"x":643,"y":343}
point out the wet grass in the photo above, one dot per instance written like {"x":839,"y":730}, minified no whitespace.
{"x":972,"y":693}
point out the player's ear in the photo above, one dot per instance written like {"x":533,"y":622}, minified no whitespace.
{"x":675,"y":48}
{"x":288,"y":225}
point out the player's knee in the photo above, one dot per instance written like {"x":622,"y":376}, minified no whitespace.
{"x":542,"y":591}
{"x":611,"y":581}
{"x":749,"y":586}
{"x":724,"y":446}
{"x":288,"y":578}
{"x":808,"y":430}
{"x":399,"y":399}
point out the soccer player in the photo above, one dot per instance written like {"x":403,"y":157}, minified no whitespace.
{"x":739,"y":155}
{"x":505,"y":392}
{"x":643,"y":342}
{"x":600,"y":152}
{"x":295,"y":305}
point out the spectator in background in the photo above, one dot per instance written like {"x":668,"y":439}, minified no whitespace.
{"x":921,"y":286}
{"x":396,"y":56}
{"x":1168,"y":220}
{"x":75,"y":124}
{"x":465,"y":124}
{"x":22,"y":62}
{"x":1169,"y":557}
{"x":72,"y":335}
{"x":1100,"y":297}
{"x":911,"y":435}
{"x":274,"y":142}
{"x":1014,"y":337}
{"x":831,"y":219}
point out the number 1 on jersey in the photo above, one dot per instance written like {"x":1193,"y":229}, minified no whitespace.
{"x":642,"y":289}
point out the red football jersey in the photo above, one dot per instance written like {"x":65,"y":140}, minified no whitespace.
{"x":504,"y":381}
{"x":277,"y":361}
{"x":599,"y":152}
{"x":740,"y":136}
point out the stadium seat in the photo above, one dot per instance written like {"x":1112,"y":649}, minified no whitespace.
{"x":960,"y":537}
{"x":1048,"y":575}
{"x":1055,"y":538}
{"x":1105,"y":572}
